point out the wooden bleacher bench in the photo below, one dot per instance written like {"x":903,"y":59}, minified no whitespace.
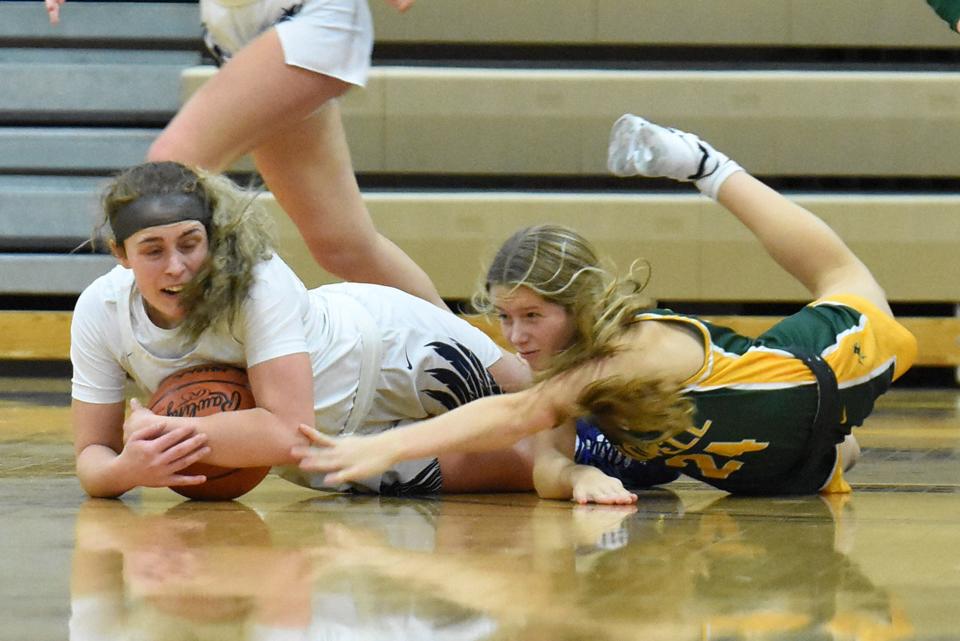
{"x":81,"y":100}
{"x":696,"y":250}
{"x":174,"y":24}
{"x":456,"y":118}
{"x":556,"y":122}
{"x":29,"y":335}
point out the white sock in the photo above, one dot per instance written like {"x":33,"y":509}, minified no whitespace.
{"x":641,"y":148}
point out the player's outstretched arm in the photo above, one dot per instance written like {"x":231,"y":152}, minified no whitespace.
{"x":484,"y":425}
{"x":802,"y":244}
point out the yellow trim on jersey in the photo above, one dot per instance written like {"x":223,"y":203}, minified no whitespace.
{"x":859,"y":353}
{"x":836,"y":484}
{"x":871,"y":347}
{"x":758,"y":368}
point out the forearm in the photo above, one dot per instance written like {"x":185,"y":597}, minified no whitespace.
{"x":796,"y":239}
{"x":484,"y":425}
{"x":248,"y":438}
{"x":102,"y":473}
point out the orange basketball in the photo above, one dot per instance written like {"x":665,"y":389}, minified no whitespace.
{"x":200,"y":391}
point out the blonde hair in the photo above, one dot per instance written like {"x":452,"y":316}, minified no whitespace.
{"x":239,"y":236}
{"x":562,"y":267}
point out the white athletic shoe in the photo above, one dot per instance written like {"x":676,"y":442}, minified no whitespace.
{"x":639,"y":147}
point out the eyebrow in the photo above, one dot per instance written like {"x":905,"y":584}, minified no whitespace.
{"x":525,"y":308}
{"x":151,"y":239}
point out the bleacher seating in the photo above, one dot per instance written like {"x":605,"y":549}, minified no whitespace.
{"x":515,"y":96}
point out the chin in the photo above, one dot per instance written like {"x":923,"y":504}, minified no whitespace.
{"x":534,"y":363}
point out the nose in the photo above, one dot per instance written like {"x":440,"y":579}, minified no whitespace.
{"x":175,"y":264}
{"x":516,"y":334}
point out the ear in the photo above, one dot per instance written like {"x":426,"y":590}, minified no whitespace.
{"x":119,"y":253}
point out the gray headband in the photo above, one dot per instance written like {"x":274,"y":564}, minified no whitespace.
{"x":159,"y":209}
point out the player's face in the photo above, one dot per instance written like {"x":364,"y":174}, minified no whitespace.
{"x":164,"y":259}
{"x":534,"y":326}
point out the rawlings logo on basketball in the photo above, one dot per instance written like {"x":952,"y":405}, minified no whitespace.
{"x":203,"y":402}
{"x":200,"y":391}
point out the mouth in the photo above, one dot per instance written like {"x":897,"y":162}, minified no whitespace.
{"x":173,"y":290}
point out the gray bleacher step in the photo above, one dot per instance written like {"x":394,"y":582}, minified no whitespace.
{"x":98,"y":21}
{"x":91,"y":87}
{"x":51,"y":274}
{"x":47,"y":213}
{"x":63,"y":149}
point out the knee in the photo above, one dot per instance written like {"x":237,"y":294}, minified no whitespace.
{"x":347,"y":255}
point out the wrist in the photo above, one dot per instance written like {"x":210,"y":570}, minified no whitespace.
{"x":577,"y":473}
{"x":392,"y":447}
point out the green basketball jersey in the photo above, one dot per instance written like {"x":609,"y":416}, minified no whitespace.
{"x":756,"y":402}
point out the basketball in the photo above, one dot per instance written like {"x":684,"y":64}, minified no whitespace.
{"x":201,"y":391}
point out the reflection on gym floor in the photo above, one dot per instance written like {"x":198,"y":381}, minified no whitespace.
{"x":284,"y":563}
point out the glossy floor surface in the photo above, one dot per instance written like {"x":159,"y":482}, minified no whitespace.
{"x":284,"y":563}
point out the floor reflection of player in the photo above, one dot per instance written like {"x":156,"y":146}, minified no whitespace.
{"x":193,"y":572}
{"x":748,"y":569}
{"x":519,"y":576}
{"x":735,"y":569}
{"x":425,"y":570}
{"x":216,"y":571}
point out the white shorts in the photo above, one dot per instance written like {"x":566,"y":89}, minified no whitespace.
{"x":332,"y":37}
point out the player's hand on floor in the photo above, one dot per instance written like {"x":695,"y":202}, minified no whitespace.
{"x":602,"y":489}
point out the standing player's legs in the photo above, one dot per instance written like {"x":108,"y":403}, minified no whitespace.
{"x":258,"y":103}
{"x":307,"y":166}
{"x":247,"y":101}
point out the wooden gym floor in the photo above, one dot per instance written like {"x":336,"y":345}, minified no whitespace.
{"x":286,"y":563}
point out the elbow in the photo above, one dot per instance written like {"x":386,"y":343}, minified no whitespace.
{"x":103,"y":495}
{"x":551,"y":492}
{"x":95,"y":491}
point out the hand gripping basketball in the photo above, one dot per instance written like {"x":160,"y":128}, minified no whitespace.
{"x":201,"y":391}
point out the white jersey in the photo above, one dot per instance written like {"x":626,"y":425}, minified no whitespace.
{"x":380,"y":357}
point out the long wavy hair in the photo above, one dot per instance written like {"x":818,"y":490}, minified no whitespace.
{"x":561,"y":266}
{"x":239,"y":236}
